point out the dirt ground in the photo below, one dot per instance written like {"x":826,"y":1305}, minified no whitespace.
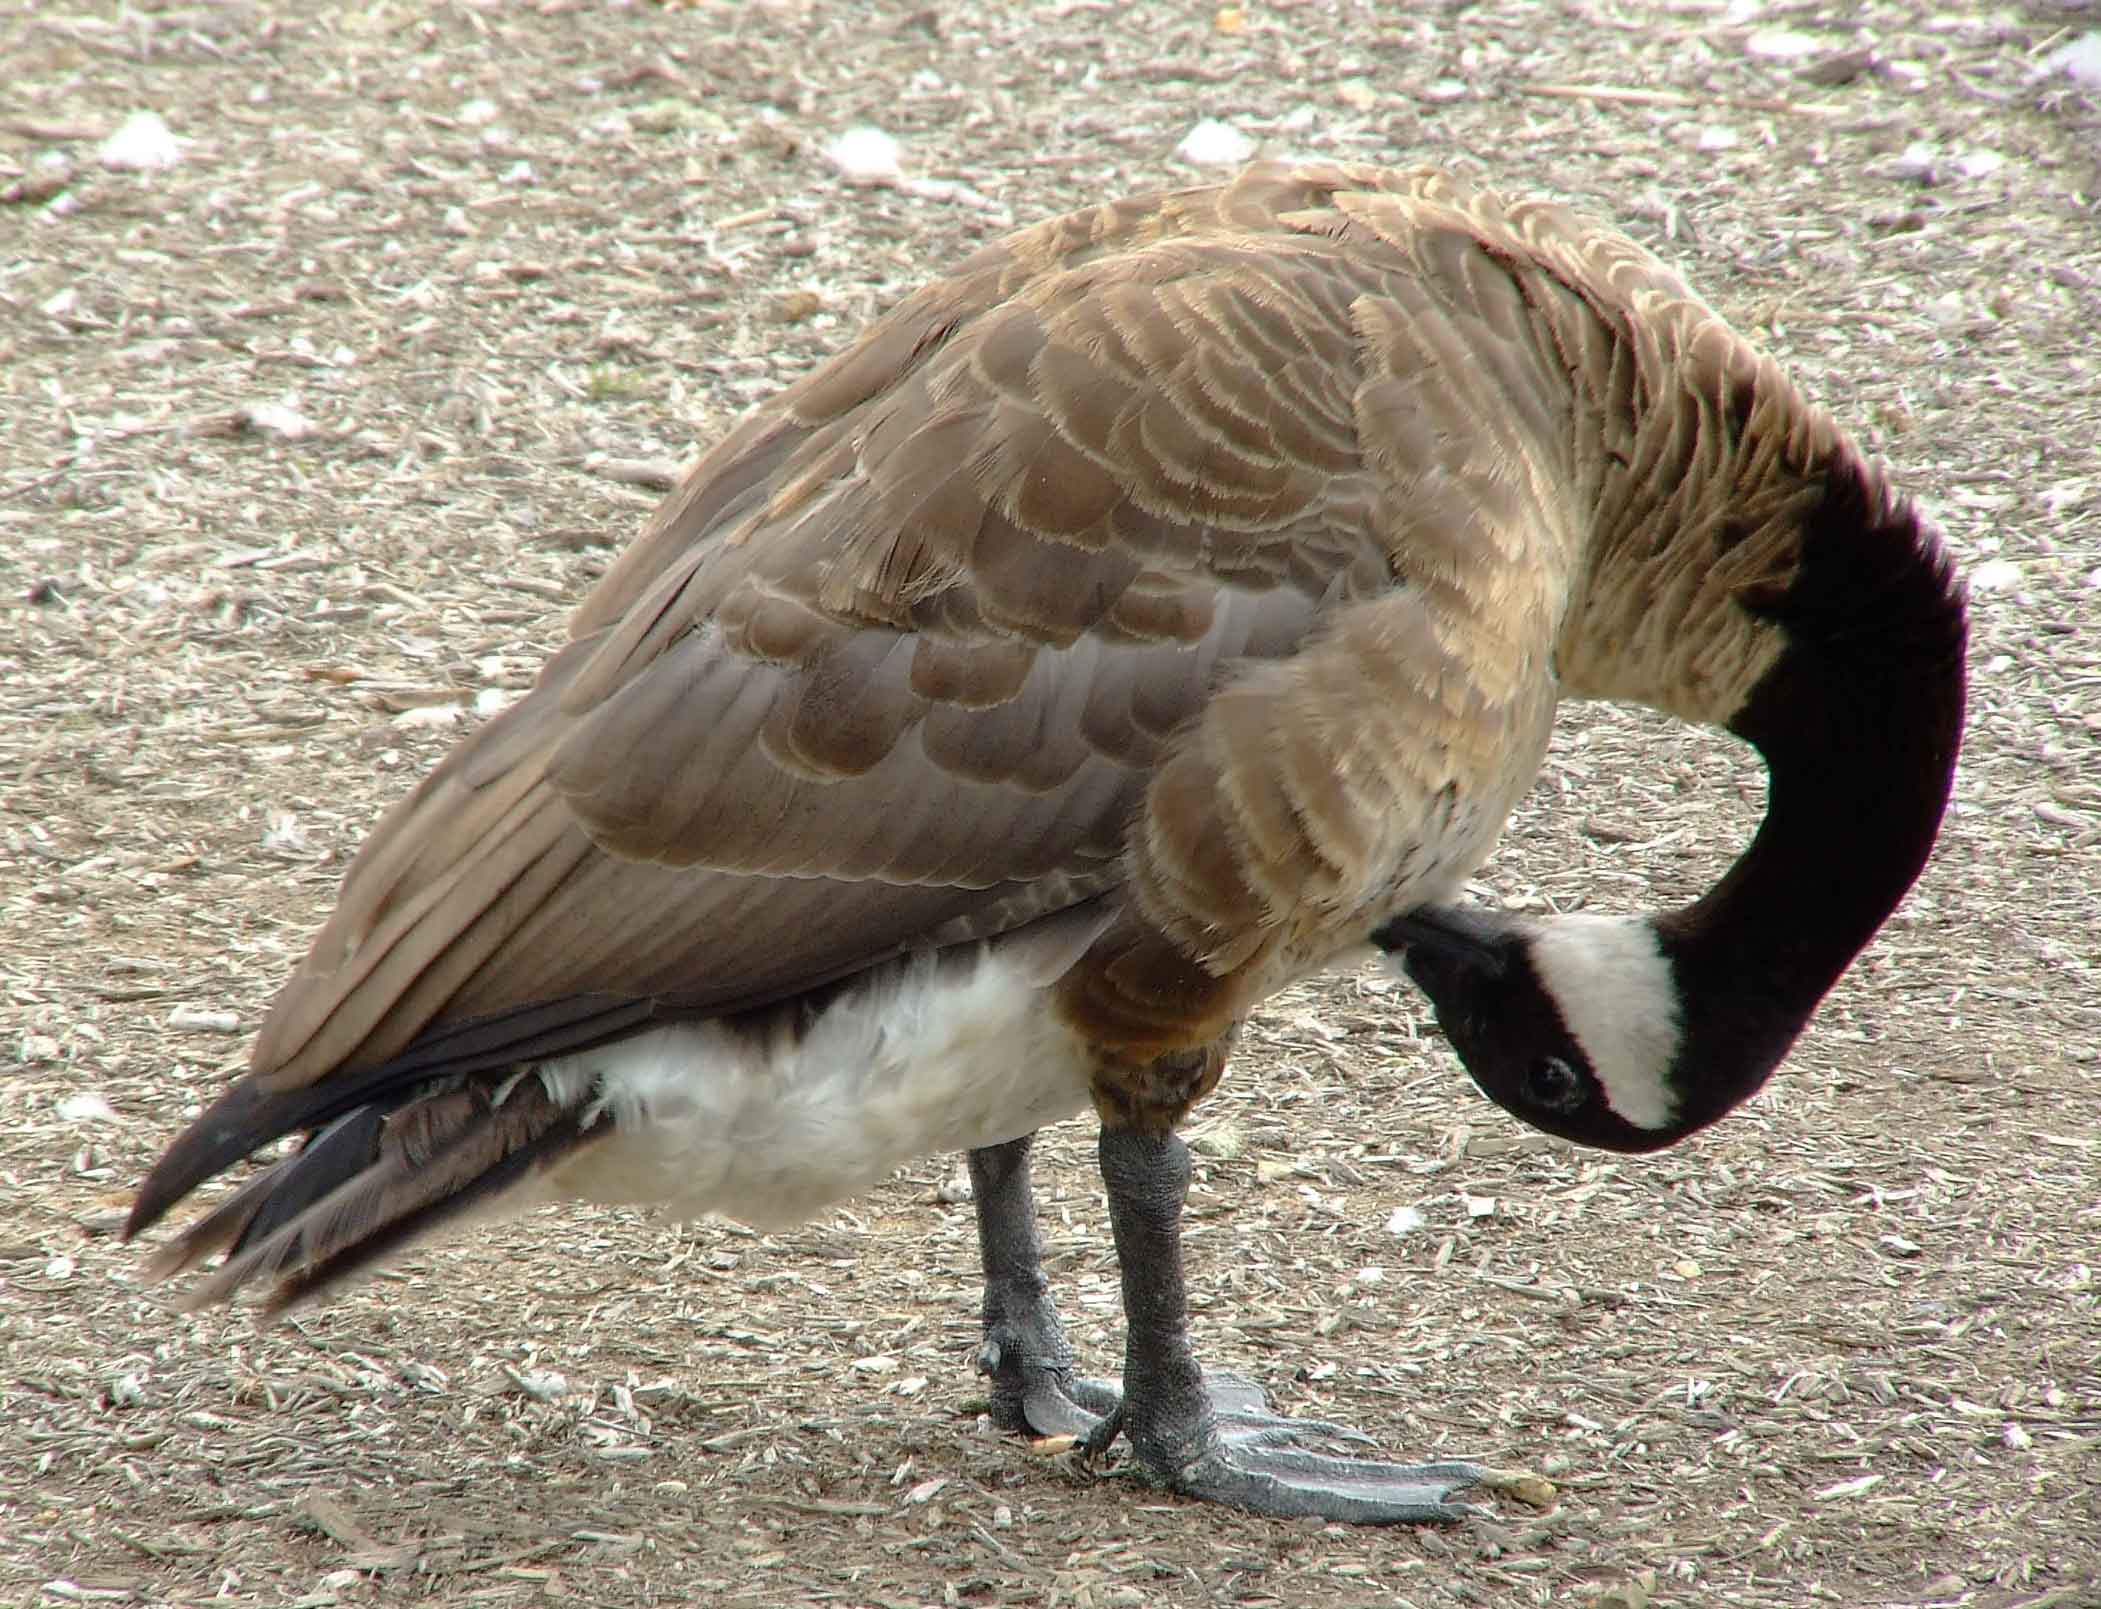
{"x":307,"y":440}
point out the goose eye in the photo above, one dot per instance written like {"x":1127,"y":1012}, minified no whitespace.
{"x":1550,"y":1082}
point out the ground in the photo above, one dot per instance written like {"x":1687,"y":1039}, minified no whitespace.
{"x":307,"y":441}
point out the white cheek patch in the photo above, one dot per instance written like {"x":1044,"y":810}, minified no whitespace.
{"x":1615,"y":991}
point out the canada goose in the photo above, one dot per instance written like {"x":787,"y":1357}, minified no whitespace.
{"x":1170,"y":602}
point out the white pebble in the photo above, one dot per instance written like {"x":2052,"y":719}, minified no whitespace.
{"x":1215,"y":144}
{"x":1781,"y":44}
{"x":542,"y":1385}
{"x":2079,"y":61}
{"x":1994,"y":575}
{"x":191,"y":1019}
{"x":1917,"y":161}
{"x":428,"y":717}
{"x":86,"y":1107}
{"x":143,"y":143}
{"x":275,"y":419}
{"x":866,"y":154}
{"x":283,"y":835}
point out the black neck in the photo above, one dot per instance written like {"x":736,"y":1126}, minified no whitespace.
{"x":1858,"y":722}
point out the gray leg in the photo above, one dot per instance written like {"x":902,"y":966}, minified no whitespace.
{"x":1034,"y":1390}
{"x":1223,"y":1443}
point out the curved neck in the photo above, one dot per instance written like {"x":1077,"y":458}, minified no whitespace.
{"x":1858,"y":719}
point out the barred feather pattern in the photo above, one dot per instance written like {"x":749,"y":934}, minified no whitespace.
{"x":1215,"y":559}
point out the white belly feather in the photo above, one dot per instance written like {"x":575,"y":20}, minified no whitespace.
{"x":770,"y":1125}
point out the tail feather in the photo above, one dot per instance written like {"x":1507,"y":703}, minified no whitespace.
{"x":331,"y":1156}
{"x":254,"y":1112}
{"x":274,"y":1196}
{"x":388,"y":1179}
{"x":567,"y":1134}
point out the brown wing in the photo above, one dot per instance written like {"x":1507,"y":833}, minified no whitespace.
{"x":914,"y":650}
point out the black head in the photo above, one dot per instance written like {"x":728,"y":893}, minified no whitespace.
{"x":1483,"y":975}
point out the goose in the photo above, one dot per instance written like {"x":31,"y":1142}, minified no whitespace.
{"x":1172,"y":602}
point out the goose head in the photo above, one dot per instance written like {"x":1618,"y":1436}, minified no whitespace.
{"x":1630,"y":1033}
{"x":1583,"y":1026}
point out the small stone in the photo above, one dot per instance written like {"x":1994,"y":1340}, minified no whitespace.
{"x":1994,"y":575}
{"x":1839,"y":67}
{"x":2079,"y":61}
{"x":1222,"y":1142}
{"x":143,"y":143}
{"x":1781,"y":44}
{"x":87,"y":1108}
{"x":865,"y":154}
{"x":542,"y":1385}
{"x":194,"y":1019}
{"x":1536,"y":1491}
{"x":429,"y":717}
{"x":275,"y":419}
{"x":1211,"y":143}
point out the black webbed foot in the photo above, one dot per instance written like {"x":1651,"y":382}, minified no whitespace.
{"x":1256,"y":1471}
{"x":1218,"y":1438}
{"x":1024,"y":1352}
{"x":1212,"y":1437}
{"x":1033,"y":1398}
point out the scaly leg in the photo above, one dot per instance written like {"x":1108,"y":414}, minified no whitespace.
{"x":1218,"y":1444}
{"x":1034,"y":1390}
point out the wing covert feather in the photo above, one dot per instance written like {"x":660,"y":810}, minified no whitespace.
{"x":1202,"y":546}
